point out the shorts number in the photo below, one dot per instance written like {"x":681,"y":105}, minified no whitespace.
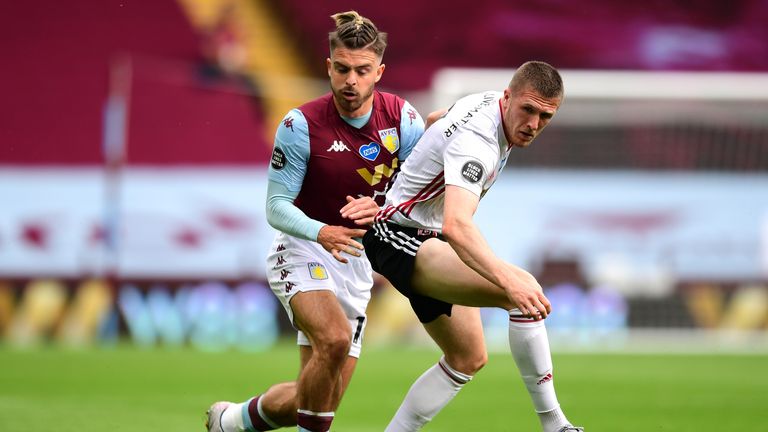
{"x":360,"y":321}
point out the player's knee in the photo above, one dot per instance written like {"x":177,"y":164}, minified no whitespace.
{"x":468,"y":363}
{"x":477,"y":361}
{"x":335,"y":344}
{"x":338,"y":349}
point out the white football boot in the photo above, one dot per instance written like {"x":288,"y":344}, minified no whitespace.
{"x":213,"y":420}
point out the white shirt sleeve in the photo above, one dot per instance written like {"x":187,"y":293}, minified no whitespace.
{"x":468,"y":161}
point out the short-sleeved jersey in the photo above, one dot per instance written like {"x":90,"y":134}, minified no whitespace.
{"x":466,"y":148}
{"x":341,"y":159}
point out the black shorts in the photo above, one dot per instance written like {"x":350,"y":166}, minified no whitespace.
{"x":391,"y":249}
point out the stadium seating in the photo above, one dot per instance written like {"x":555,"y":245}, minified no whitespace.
{"x":58,"y":58}
{"x":654,"y":35}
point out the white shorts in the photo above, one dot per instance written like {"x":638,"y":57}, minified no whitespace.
{"x":296,"y":265}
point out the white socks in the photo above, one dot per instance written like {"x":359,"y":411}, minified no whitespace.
{"x":236,"y":418}
{"x":232,"y":418}
{"x":427,"y":396}
{"x":553,"y":421}
{"x":439,"y":384}
{"x":530,"y":349}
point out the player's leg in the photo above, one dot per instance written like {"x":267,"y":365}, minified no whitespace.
{"x":346,"y":374}
{"x":529,"y":344}
{"x":299,"y":271}
{"x":352,"y":291}
{"x":316,"y":393}
{"x":440,"y":273}
{"x":320,"y":317}
{"x":276,"y":407}
{"x":460,"y":337}
{"x":270,"y":410}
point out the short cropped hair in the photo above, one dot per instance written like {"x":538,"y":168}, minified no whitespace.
{"x":540,"y":77}
{"x":354,"y":31}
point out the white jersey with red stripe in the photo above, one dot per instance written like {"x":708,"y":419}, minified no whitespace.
{"x":466,"y":148}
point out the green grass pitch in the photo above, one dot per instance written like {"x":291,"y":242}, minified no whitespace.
{"x":129,"y":389}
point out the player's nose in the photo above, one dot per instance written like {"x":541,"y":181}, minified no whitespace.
{"x":351,"y":79}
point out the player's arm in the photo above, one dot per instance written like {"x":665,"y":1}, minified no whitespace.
{"x":288,"y":167}
{"x":465,"y":238}
{"x":468,"y":161}
{"x":411,"y":130}
{"x":435,"y":116}
{"x":284,"y":216}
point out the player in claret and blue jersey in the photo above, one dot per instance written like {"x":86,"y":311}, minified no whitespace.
{"x":332,"y":160}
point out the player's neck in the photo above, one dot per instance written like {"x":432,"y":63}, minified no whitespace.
{"x":363,"y":111}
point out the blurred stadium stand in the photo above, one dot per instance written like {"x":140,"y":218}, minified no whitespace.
{"x":134,"y":138}
{"x":57,"y":60}
{"x":596,"y":34}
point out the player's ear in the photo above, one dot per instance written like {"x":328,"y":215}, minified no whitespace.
{"x":380,"y":71}
{"x":328,"y":66}
{"x":505,"y":100}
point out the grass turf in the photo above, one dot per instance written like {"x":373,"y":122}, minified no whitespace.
{"x":129,"y":389}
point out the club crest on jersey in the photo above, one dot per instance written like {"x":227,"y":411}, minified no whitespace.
{"x":390,"y":140}
{"x":317,"y":271}
{"x":370,"y":151}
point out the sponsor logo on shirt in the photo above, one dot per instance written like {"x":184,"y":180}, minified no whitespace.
{"x":370,"y":151}
{"x":379,"y":172}
{"x":317,"y":271}
{"x":278,"y":159}
{"x":390,"y":140}
{"x":487,"y":99}
{"x":472,"y":171}
{"x":338,"y":146}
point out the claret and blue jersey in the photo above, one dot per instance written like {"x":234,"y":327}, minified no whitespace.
{"x":320,"y":157}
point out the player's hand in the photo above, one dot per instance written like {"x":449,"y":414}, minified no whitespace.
{"x":338,"y":239}
{"x":530,"y":299}
{"x":360,"y":210}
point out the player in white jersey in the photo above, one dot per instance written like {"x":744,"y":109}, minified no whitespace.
{"x":461,"y":148}
{"x":425,"y":242}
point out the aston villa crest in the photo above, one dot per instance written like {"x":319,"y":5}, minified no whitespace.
{"x":390,"y":140}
